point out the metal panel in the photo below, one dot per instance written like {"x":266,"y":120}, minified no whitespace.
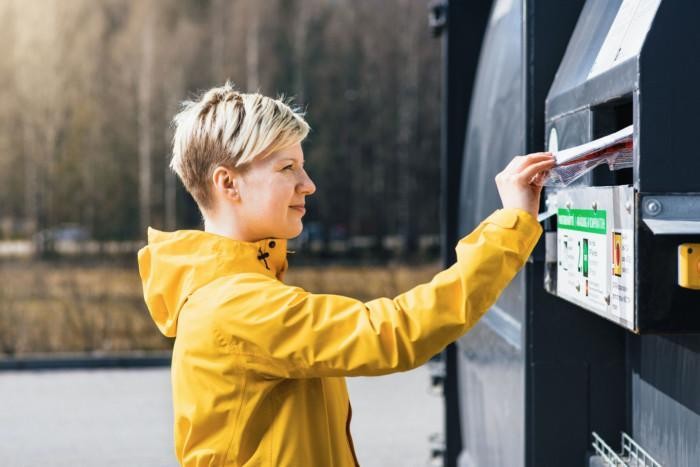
{"x":522,"y":47}
{"x":665,"y":401}
{"x":656,"y":89}
{"x":669,"y":69}
{"x":672,"y":214}
{"x":491,"y":383}
{"x":466,"y":23}
{"x":491,"y":369}
{"x":662,"y":305}
{"x":497,"y":105}
{"x":574,"y":377}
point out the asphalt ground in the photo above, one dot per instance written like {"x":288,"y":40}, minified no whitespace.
{"x":122,"y":417}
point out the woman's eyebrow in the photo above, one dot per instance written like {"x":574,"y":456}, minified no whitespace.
{"x":293,"y":160}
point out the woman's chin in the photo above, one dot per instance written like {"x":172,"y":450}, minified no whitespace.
{"x":297,"y":231}
{"x":291,"y":232}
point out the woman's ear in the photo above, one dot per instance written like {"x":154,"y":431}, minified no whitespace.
{"x":225,"y":183}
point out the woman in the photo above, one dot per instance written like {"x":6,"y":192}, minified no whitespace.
{"x":258,"y":366}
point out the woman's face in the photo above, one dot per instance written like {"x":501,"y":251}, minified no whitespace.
{"x":272,"y":194}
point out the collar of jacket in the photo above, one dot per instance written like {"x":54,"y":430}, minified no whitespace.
{"x":267,"y":256}
{"x":175,"y":264}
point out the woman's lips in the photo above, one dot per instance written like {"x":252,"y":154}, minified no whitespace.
{"x":301,"y":209}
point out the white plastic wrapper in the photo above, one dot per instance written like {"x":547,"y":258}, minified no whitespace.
{"x":614,"y":150}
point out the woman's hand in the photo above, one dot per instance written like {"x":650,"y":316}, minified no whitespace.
{"x":520,"y":183}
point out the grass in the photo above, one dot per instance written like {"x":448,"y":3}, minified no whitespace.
{"x":60,"y":307}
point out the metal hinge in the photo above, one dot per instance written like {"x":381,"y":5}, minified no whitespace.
{"x":437,"y":450}
{"x":437,"y":17}
{"x":436,"y":368}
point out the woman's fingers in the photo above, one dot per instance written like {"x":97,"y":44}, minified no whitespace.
{"x":523,"y":168}
{"x":540,"y":178}
{"x":520,"y":162}
{"x":518,"y":184}
{"x":530,"y":171}
{"x":537,"y":156}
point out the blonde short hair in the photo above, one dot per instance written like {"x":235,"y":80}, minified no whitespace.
{"x":227,"y":128}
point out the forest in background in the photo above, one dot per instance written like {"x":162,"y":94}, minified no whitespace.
{"x":89,"y":89}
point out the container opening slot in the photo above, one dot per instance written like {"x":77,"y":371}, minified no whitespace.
{"x":607,"y":119}
{"x":614,"y":150}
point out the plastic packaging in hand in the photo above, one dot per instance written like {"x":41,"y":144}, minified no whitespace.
{"x":615,"y":150}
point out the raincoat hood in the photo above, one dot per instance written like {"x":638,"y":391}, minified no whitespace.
{"x":175,"y":264}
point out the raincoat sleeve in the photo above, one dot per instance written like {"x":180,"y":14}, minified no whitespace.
{"x":285,"y":331}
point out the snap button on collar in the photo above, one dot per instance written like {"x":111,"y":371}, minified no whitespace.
{"x":262,"y":256}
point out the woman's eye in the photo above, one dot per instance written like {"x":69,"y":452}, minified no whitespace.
{"x":288,"y":167}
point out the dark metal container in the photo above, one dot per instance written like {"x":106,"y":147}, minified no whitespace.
{"x":539,"y":374}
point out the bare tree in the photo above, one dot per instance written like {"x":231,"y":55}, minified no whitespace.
{"x":407,"y":112}
{"x":145,"y":93}
{"x":37,"y":55}
{"x":253,"y":47}
{"x":218,"y":16}
{"x":183,"y":38}
{"x":300,"y":39}
{"x":89,"y":89}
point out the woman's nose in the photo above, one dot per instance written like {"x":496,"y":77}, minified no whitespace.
{"x":307,"y":185}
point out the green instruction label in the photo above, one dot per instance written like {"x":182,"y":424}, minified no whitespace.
{"x":583,"y":220}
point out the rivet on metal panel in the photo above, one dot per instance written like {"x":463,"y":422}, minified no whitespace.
{"x":595,"y":205}
{"x":568,"y":205}
{"x":652,"y":207}
{"x":628,"y":206}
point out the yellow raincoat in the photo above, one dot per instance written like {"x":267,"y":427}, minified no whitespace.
{"x":258,"y":366}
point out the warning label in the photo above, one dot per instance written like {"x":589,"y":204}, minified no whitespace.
{"x":583,"y":260}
